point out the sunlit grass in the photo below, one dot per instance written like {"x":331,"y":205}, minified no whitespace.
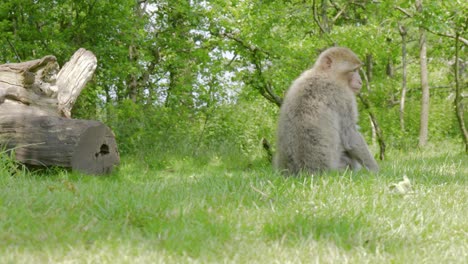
{"x":222,"y":208}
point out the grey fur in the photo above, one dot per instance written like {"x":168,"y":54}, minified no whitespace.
{"x":317,"y":128}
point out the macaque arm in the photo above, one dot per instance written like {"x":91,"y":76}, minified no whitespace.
{"x":347,"y":162}
{"x":355,"y":145}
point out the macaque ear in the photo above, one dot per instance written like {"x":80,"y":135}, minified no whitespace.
{"x":326,"y":63}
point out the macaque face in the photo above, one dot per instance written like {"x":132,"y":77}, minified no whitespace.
{"x":355,"y":82}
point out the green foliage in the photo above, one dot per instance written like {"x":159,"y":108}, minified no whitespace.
{"x":226,"y":130}
{"x":9,"y":166}
{"x":188,"y":76}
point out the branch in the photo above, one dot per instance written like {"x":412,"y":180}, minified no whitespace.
{"x":367,"y":106}
{"x":335,"y":5}
{"x":266,"y":145}
{"x":232,"y":60}
{"x":14,"y":50}
{"x":314,"y":8}
{"x":408,"y":14}
{"x":241,"y":42}
{"x":378,"y":130}
{"x":276,"y":99}
{"x":402,"y":30}
{"x":265,"y":87}
{"x":365,"y":79}
{"x":339,"y":14}
{"x":463,"y":40}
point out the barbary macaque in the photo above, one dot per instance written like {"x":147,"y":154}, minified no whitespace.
{"x":317,"y":127}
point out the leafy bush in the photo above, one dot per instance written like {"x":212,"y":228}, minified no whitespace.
{"x":230,"y":130}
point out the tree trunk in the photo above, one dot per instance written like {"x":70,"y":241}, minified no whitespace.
{"x":132,"y":78}
{"x":369,"y":66}
{"x":83,"y":145}
{"x":375,"y":125}
{"x":459,"y":107}
{"x":324,"y":14}
{"x":403,"y":34}
{"x":36,"y":99}
{"x":424,"y":121}
{"x":38,"y":87}
{"x":389,"y":68}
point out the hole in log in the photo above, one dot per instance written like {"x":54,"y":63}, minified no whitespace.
{"x":103,"y":151}
{"x":96,"y":151}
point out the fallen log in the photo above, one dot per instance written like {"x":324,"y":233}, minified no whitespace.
{"x":36,"y":99}
{"x":84,"y":145}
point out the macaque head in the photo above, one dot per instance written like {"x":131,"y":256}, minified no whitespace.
{"x":342,"y":65}
{"x":354,"y":81}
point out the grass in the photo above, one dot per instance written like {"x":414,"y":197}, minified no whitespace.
{"x":221,"y":209}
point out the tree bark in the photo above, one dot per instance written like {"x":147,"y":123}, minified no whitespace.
{"x":83,"y":145}
{"x":36,"y":99}
{"x":29,"y":87}
{"x":375,"y":125}
{"x":73,"y":77}
{"x":389,"y":68}
{"x":459,"y":107}
{"x":324,"y":14}
{"x":403,"y":34}
{"x":369,"y":66}
{"x":424,"y":121}
{"x":38,"y":87}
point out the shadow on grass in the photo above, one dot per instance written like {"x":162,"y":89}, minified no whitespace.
{"x":343,"y":231}
{"x":193,"y":233}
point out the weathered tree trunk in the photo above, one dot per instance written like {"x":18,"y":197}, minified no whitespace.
{"x":38,"y":87}
{"x":36,"y":99}
{"x":84,"y":145}
{"x":458,"y":102}
{"x":424,"y":121}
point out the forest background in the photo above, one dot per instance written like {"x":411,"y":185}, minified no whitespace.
{"x":191,"y":76}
